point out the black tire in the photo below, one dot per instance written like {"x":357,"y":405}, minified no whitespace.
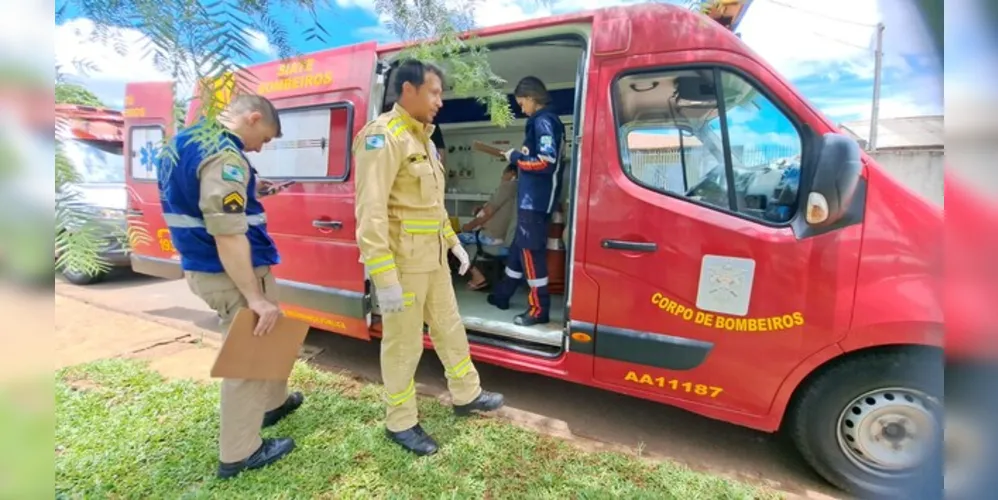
{"x":814,"y":420}
{"x":82,"y":278}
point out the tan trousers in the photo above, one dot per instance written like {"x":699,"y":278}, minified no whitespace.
{"x":243,"y":401}
{"x":430,"y":299}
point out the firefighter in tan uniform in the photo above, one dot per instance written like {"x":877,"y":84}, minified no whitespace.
{"x":219,"y":228}
{"x":404,"y":235}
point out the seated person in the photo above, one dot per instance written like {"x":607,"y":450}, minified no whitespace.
{"x":493,"y":220}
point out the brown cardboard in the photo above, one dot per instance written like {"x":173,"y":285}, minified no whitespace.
{"x":268,"y":357}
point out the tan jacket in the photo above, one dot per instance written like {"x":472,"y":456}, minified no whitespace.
{"x":402,"y":224}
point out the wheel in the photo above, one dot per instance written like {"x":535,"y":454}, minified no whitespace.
{"x":872,"y":425}
{"x":82,"y":278}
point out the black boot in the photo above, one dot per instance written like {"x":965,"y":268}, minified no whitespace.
{"x":415,"y":440}
{"x":295,"y":399}
{"x":485,"y":402}
{"x":501,"y":304}
{"x":270,"y":451}
{"x":525,"y":319}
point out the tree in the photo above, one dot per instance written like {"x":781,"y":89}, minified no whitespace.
{"x":72,"y":93}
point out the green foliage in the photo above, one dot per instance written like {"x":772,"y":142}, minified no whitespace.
{"x":72,"y":93}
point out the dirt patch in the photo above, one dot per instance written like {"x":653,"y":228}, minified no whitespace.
{"x":83,"y":385}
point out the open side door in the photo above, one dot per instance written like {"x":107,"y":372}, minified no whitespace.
{"x":148,"y":124}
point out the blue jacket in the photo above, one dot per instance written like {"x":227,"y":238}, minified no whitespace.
{"x":180,"y":190}
{"x":539,"y":182}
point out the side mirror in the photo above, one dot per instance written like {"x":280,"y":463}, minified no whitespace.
{"x":836,"y":176}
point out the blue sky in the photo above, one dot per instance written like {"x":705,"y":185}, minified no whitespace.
{"x":824,"y":48}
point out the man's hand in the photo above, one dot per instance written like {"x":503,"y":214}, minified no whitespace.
{"x":462,"y":257}
{"x":268,"y":313}
{"x":467,"y":228}
{"x":266,"y":187}
{"x":390,"y":299}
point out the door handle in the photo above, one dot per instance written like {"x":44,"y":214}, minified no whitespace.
{"x":327,"y":224}
{"x":633,"y":246}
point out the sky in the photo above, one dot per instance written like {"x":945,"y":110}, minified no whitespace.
{"x":824,"y":48}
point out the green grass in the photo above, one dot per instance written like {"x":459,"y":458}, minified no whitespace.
{"x":124,"y":432}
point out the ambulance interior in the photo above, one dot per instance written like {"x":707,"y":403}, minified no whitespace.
{"x":474,"y":175}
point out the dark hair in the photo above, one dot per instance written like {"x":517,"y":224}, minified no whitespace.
{"x":414,"y":72}
{"x":247,"y":103}
{"x":533,"y":87}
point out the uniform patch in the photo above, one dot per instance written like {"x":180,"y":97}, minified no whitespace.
{"x":234,"y":203}
{"x":233,"y":173}
{"x":547,"y":141}
{"x":375,"y":141}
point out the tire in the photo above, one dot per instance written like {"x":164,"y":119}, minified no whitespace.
{"x":82,"y":278}
{"x":862,"y":404}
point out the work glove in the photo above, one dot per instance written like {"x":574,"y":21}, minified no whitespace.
{"x":462,"y":257}
{"x":390,"y":299}
{"x":506,"y":154}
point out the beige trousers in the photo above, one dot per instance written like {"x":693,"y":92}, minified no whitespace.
{"x":243,"y":401}
{"x":430,"y":299}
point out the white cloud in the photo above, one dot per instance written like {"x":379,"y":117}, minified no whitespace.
{"x":260,"y":43}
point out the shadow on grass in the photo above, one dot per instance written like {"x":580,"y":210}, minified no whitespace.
{"x":124,"y":431}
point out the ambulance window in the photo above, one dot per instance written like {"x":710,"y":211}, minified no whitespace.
{"x":314,"y":144}
{"x":671,"y":141}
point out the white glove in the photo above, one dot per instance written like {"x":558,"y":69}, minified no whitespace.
{"x":390,"y":299}
{"x":506,"y":154}
{"x":462,"y":257}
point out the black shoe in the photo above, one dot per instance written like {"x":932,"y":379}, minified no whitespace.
{"x":526,"y":319}
{"x":269,"y":452}
{"x":295,"y":399}
{"x":486,"y":401}
{"x":501,"y":304}
{"x":414,"y":439}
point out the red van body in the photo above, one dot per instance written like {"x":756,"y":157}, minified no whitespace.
{"x":865,"y":290}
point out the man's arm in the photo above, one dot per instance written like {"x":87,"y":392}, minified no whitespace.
{"x":224,"y":177}
{"x":548,"y":141}
{"x":377,"y":162}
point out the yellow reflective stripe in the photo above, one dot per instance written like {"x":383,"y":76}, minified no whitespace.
{"x":396,"y":126}
{"x":380,"y":264}
{"x":408,"y":298}
{"x":421,"y":226}
{"x":402,"y":397}
{"x":449,"y":231}
{"x":461,"y":369}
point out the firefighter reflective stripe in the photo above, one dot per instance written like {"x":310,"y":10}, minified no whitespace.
{"x":513,"y":274}
{"x":415,"y":226}
{"x":449,"y":231}
{"x":401,"y":397}
{"x":408,"y":299}
{"x":379,"y":265}
{"x":459,"y":370}
{"x":538,"y":282}
{"x":186,"y":221}
{"x":397,"y":126}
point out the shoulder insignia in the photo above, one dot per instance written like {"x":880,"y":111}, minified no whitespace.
{"x":234,"y":203}
{"x":233,"y":173}
{"x":374,"y":141}
{"x":547,"y":141}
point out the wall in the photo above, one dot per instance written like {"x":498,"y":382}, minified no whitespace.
{"x":486,"y":171}
{"x":921,"y":171}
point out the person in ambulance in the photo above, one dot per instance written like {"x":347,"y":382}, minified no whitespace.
{"x":404,"y":235}
{"x":539,"y":164}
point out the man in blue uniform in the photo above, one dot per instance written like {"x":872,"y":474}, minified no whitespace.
{"x":209,"y":192}
{"x":539,"y":164}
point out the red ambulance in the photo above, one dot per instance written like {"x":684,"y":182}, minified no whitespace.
{"x":725,"y":249}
